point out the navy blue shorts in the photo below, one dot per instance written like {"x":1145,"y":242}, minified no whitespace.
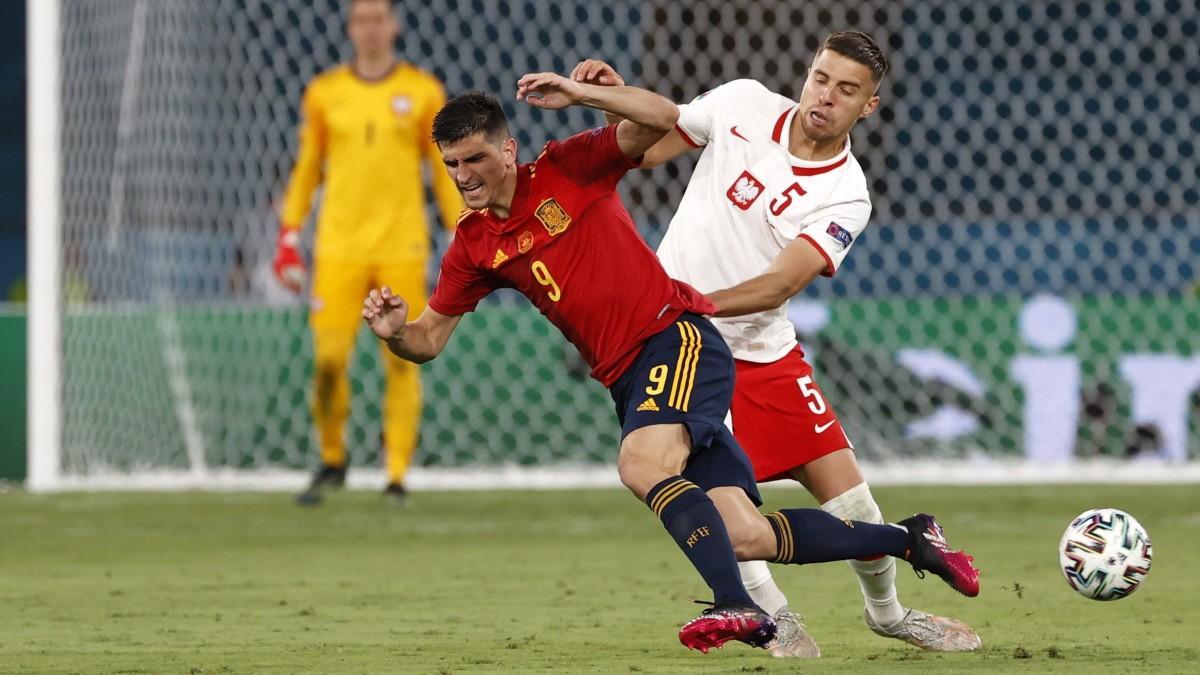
{"x":684,"y":375}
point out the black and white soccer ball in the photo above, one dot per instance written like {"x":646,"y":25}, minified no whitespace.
{"x":1105,"y":554}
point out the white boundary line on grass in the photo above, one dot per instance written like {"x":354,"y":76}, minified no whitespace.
{"x":925,"y":472}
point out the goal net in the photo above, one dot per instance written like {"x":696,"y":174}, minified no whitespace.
{"x":1025,"y":297}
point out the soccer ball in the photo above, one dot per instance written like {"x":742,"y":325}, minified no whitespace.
{"x":1105,"y":554}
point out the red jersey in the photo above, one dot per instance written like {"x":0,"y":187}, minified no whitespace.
{"x":570,"y":246}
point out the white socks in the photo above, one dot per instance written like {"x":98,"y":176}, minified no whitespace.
{"x":756,"y":577}
{"x":877,"y":578}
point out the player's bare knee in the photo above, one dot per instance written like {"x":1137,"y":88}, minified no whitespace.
{"x":752,"y":540}
{"x":649,"y":456}
{"x":749,"y":532}
{"x":633,"y":471}
{"x":743,"y":546}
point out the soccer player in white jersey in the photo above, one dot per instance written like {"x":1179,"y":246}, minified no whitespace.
{"x":776,"y":200}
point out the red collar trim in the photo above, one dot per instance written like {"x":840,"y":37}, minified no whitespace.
{"x":777,"y":134}
{"x":816,"y":170}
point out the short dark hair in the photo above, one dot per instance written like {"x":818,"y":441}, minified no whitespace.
{"x":859,"y":47}
{"x":468,"y":114}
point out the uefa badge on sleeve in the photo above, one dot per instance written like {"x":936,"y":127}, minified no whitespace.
{"x":840,"y":234}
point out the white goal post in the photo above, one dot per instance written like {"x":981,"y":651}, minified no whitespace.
{"x":43,"y":72}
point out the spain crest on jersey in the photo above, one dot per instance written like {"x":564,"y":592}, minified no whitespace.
{"x":553,"y":216}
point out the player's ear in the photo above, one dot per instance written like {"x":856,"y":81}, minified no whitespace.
{"x":869,"y":107}
{"x":395,"y":26}
{"x":509,"y":150}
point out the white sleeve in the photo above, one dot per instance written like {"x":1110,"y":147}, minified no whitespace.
{"x":698,"y":118}
{"x":834,"y":229}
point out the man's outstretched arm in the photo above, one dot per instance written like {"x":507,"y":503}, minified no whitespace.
{"x":647,"y":117}
{"x":417,"y":341}
{"x":793,"y":269}
{"x":670,"y":146}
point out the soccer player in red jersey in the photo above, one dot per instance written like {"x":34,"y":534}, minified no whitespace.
{"x":556,"y":230}
{"x":776,"y":200}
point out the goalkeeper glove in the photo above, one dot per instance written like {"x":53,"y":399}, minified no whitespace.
{"x":289,"y":265}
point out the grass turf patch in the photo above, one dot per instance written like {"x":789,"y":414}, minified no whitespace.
{"x":582,"y":581}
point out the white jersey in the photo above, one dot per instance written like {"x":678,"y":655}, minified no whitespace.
{"x":748,"y":198}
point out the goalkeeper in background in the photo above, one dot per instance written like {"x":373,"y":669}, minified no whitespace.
{"x":365,"y":132}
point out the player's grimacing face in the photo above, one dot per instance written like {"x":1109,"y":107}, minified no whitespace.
{"x":372,"y":26}
{"x":839,"y":91}
{"x":479,"y":166}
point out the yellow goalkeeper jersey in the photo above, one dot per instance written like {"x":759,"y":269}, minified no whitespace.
{"x":365,"y":140}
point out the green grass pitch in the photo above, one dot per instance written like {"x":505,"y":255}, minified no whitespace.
{"x":539,"y":582}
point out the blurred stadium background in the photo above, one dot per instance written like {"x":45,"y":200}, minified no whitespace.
{"x":1023,"y":307}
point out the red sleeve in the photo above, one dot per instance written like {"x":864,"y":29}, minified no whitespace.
{"x":591,"y":156}
{"x":460,"y":285}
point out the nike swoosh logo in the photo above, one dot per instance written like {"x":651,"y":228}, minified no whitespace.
{"x":733,"y":130}
{"x":820,"y":428}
